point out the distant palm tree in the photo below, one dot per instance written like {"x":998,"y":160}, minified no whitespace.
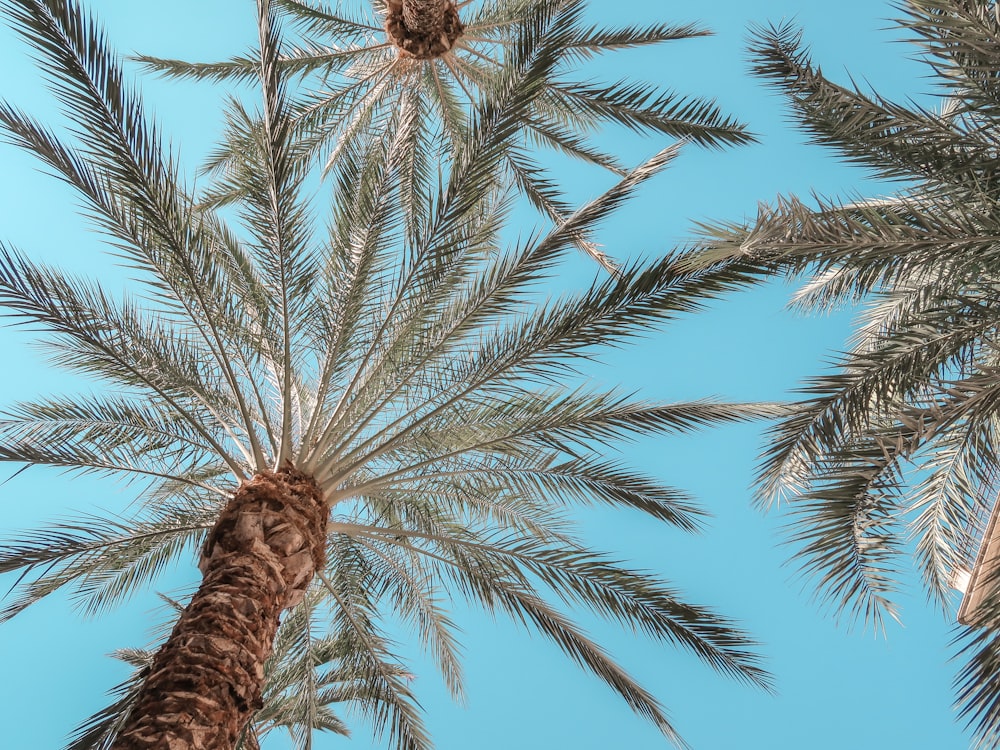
{"x":415,"y":69}
{"x":353,"y":424}
{"x":901,"y":444}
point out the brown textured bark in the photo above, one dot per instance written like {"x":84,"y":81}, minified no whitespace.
{"x":206,"y":681}
{"x":422,"y":28}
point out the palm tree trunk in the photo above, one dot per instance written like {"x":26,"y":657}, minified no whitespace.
{"x":422,"y":28}
{"x":206,"y":681}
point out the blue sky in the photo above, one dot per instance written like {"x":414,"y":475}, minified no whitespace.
{"x":838,"y":686}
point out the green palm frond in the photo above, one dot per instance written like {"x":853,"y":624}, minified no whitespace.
{"x":960,"y":38}
{"x":380,"y":689}
{"x":846,"y":532}
{"x":896,"y":450}
{"x":401,"y":355}
{"x":893,"y":140}
{"x":947,"y":502}
{"x":359,"y":80}
{"x":104,"y":559}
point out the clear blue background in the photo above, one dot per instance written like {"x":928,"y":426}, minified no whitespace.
{"x":838,"y":687}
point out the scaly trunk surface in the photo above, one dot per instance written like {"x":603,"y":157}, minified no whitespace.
{"x":206,"y":681}
{"x":424,"y":16}
{"x":422,"y":28}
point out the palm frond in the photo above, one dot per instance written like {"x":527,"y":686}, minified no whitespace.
{"x":105,"y":559}
{"x":401,"y":358}
{"x":921,"y":263}
{"x":895,"y":141}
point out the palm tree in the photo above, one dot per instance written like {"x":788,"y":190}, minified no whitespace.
{"x":900,"y":445}
{"x":345,"y":424}
{"x":371,"y":63}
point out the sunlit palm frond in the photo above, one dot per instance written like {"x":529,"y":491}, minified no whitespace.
{"x":104,"y":559}
{"x":896,"y":450}
{"x":362,"y":76}
{"x":401,"y":356}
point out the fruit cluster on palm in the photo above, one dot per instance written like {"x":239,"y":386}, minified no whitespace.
{"x":898,"y":449}
{"x":343,"y":423}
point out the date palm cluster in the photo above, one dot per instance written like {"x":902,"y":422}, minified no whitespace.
{"x":350,"y":416}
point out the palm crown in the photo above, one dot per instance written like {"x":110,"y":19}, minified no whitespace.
{"x":397,"y":382}
{"x":900,"y":443}
{"x":364,"y":73}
